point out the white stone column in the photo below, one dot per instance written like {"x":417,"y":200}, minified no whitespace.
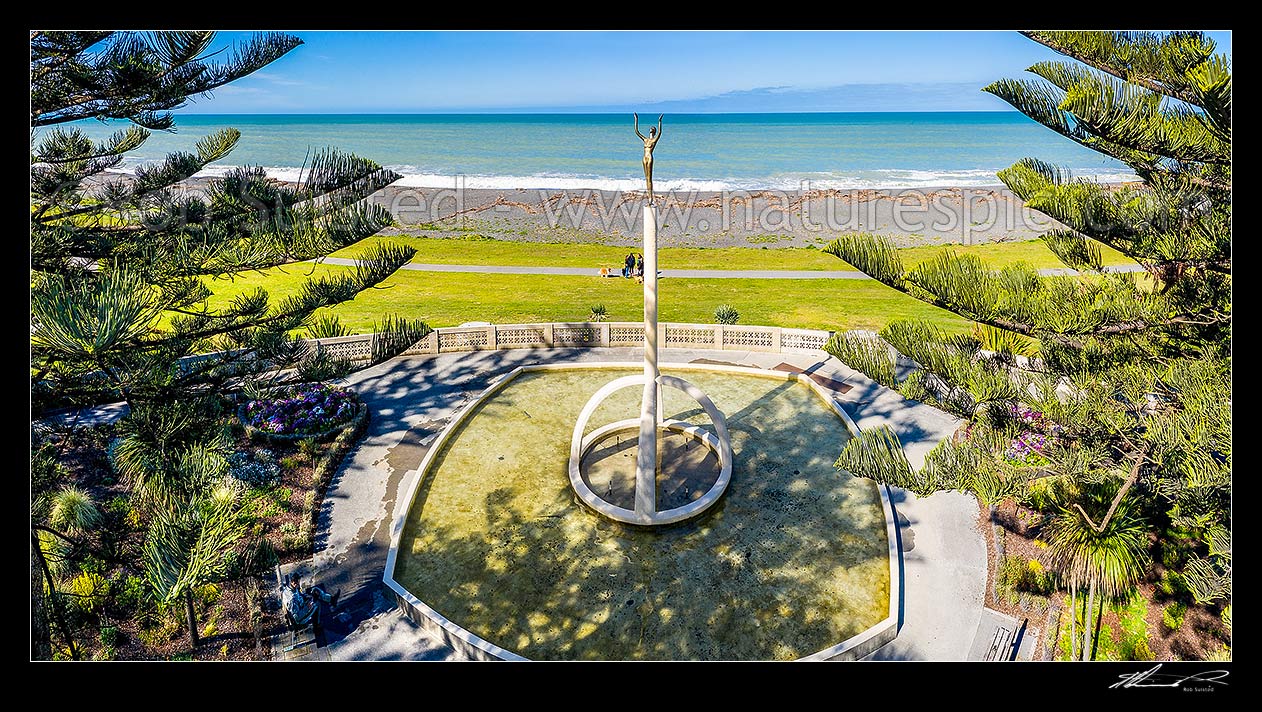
{"x":646,"y":452}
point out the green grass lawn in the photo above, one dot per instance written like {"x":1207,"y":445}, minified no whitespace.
{"x":482,"y":251}
{"x":448,"y":299}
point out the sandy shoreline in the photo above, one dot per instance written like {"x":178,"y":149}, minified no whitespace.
{"x":754,"y":218}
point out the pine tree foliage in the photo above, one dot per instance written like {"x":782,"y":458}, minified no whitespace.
{"x":120,"y":270}
{"x":120,"y":267}
{"x":1115,"y":414}
{"x":186,"y":546}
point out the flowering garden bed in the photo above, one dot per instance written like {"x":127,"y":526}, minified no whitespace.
{"x":314,"y":411}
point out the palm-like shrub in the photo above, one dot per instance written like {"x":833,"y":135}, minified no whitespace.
{"x":1110,"y":558}
{"x":726,"y":314}
{"x":73,"y":510}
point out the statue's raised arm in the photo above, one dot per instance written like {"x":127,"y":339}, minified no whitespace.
{"x":637,"y":126}
{"x":659,"y":125}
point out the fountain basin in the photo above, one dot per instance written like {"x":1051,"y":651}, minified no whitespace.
{"x":492,"y":551}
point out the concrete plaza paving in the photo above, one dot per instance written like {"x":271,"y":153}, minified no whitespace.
{"x":412,"y":399}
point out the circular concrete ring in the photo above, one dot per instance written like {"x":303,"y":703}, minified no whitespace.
{"x":719,"y":441}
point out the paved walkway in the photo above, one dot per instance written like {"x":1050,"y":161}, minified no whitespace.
{"x":688,"y":273}
{"x":412,"y":399}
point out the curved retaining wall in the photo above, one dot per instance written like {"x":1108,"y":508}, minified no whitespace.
{"x":472,"y":646}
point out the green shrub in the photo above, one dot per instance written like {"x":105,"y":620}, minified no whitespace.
{"x":1011,"y":573}
{"x":327,"y":326}
{"x":262,"y":557}
{"x":866,"y":353}
{"x":87,"y":592}
{"x":212,"y":623}
{"x":73,"y":510}
{"x":290,"y":463}
{"x":132,"y":593}
{"x":598,"y":313}
{"x":1137,"y":649}
{"x":914,"y":387}
{"x":1039,"y":579}
{"x":45,"y":470}
{"x":1009,"y":596}
{"x":119,"y":506}
{"x":1042,"y":495}
{"x":309,"y":448}
{"x":288,"y":528}
{"x":1221,"y":654}
{"x":232,"y":563}
{"x":1176,"y":548}
{"x":1172,"y":615}
{"x":1172,"y":583}
{"x":207,"y":595}
{"x":1026,"y":576}
{"x":320,"y":365}
{"x":296,"y":542}
{"x":1171,"y":557}
{"x":726,"y":314}
{"x":93,"y":565}
{"x":109,"y":636}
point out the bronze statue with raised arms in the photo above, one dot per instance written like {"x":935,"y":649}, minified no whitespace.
{"x":649,"y":142}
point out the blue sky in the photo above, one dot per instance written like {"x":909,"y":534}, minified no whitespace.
{"x":683,"y":71}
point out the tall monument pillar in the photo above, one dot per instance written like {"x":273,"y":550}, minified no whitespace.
{"x":650,"y":422}
{"x":650,"y":407}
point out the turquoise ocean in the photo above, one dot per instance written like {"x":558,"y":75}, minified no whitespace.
{"x":697,"y":151}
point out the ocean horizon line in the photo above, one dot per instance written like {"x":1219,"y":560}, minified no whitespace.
{"x":702,"y":151}
{"x":559,"y":112}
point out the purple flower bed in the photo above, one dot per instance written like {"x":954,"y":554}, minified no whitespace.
{"x":1029,"y":446}
{"x":307,"y":409}
{"x":1025,"y":445}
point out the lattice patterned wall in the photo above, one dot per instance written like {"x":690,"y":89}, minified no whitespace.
{"x":510,"y":337}
{"x":746,"y":338}
{"x":794,"y":340}
{"x":576,"y":335}
{"x":427,"y":345}
{"x":356,"y":350}
{"x":359,"y":348}
{"x":461,"y":340}
{"x":685,"y":336}
{"x":626,"y":336}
